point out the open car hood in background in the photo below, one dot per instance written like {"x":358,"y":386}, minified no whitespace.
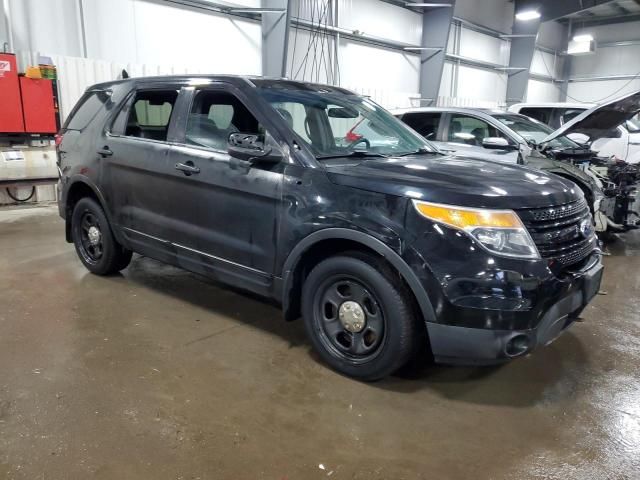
{"x":601,"y":119}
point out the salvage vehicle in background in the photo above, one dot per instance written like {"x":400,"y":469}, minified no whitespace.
{"x":509,"y":137}
{"x":383,"y":244}
{"x":622,"y":141}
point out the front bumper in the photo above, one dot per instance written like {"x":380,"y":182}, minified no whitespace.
{"x":453,"y":344}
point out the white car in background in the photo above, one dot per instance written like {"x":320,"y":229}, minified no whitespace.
{"x":620,"y":141}
{"x":610,"y":185}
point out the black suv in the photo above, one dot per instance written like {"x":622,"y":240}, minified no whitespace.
{"x":322,"y":200}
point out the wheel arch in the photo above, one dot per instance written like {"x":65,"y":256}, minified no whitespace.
{"x":293,"y":272}
{"x":79,"y":188}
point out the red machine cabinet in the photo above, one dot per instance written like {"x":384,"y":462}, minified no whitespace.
{"x":37,"y":105}
{"x":11,"y":117}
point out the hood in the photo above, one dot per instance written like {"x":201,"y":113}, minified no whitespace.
{"x":598,"y":121}
{"x":455,"y":181}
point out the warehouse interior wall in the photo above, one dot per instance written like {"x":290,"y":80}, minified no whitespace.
{"x":614,"y":67}
{"x":95,"y":39}
{"x":548,"y":64}
{"x":389,"y":75}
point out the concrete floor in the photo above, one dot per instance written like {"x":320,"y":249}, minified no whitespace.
{"x":159,"y":374}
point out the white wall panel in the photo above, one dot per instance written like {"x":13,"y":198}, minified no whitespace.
{"x":111,"y":29}
{"x":483,"y":47}
{"x":380,"y":19}
{"x":372,"y":67}
{"x":140,"y":31}
{"x":46,"y":24}
{"x":480,"y":84}
{"x":600,"y":91}
{"x":538,"y":91}
{"x":218,"y":43}
{"x":607,"y":61}
{"x":547,"y":64}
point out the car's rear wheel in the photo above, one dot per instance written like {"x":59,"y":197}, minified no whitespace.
{"x":97,"y":248}
{"x":359,"y":319}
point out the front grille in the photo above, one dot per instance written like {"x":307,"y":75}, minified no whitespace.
{"x":557,"y":231}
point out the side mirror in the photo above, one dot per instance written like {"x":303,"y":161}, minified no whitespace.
{"x":497,"y":143}
{"x":250,"y":148}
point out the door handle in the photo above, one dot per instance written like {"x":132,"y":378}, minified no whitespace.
{"x":188,"y":168}
{"x":105,"y":152}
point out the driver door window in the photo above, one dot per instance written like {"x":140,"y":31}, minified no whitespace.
{"x":214,"y":116}
{"x":470,"y":130}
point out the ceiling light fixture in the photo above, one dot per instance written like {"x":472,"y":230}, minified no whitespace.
{"x":427,"y":5}
{"x":527,"y":15}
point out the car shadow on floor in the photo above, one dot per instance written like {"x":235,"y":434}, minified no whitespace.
{"x":549,"y":374}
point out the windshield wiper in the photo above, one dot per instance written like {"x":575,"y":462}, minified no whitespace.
{"x":353,"y":154}
{"x":420,"y":151}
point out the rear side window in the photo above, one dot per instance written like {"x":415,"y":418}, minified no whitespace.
{"x":425,"y":123}
{"x":86,"y":110}
{"x":541,"y":114}
{"x":147,"y":115}
{"x":470,"y":130}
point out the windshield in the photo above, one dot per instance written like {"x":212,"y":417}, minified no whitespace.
{"x":332,"y":123}
{"x":533,"y":130}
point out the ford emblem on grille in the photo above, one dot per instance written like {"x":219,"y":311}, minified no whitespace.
{"x":586,"y":229}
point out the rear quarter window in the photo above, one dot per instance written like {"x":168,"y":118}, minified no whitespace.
{"x":86,"y":110}
{"x":539,"y":113}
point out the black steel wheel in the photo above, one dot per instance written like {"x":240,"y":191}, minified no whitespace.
{"x":350,"y":319}
{"x":94,"y":241}
{"x":91,"y":247}
{"x":359,"y":318}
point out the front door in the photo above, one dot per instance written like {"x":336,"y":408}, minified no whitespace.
{"x":465,"y":133}
{"x":223,"y":211}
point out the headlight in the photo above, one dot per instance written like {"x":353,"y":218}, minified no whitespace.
{"x":499,"y":231}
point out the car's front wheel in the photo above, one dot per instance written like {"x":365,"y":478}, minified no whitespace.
{"x":97,"y":248}
{"x":358,"y":317}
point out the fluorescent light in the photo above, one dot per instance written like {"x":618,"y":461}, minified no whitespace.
{"x":584,"y":37}
{"x":527,"y":15}
{"x":423,"y":4}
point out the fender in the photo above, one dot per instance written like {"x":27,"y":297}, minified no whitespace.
{"x":367,"y":240}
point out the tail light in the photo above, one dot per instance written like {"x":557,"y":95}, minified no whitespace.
{"x":58,"y":138}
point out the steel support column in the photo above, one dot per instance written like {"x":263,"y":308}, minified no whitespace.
{"x":436,"y":23}
{"x":275,"y":38}
{"x":523,"y":45}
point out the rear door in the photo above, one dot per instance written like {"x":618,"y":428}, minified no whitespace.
{"x":136,"y":170}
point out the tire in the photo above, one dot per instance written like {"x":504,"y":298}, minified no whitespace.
{"x":368,"y":348}
{"x":99,"y":252}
